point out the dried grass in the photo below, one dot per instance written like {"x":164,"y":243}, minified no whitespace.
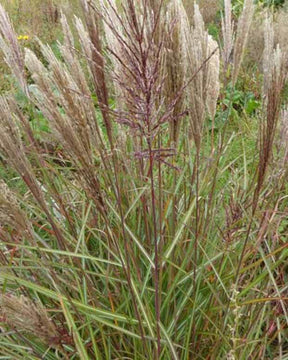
{"x":255,"y":44}
{"x":275,"y":66}
{"x":283,"y":132}
{"x":234,"y":42}
{"x":13,"y":148}
{"x":176,"y":61}
{"x":208,"y":8}
{"x":241,"y":37}
{"x":10,"y":212}
{"x":228,"y":35}
{"x":23,"y":315}
{"x":11,"y":49}
{"x":203,"y":91}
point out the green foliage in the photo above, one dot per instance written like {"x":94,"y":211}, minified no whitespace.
{"x":242,"y":101}
{"x":272,"y":3}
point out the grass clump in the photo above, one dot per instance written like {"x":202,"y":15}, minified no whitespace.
{"x":134,"y":223}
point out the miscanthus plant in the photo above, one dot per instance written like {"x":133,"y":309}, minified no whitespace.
{"x":127,"y":229}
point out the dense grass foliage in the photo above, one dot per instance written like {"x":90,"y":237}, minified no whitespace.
{"x":143,"y":193}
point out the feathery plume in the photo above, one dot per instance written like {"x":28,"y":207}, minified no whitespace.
{"x":10,"y":212}
{"x":284,"y":135}
{"x":60,"y":97}
{"x":10,"y":139}
{"x":243,"y":27}
{"x":137,"y":57}
{"x":12,"y":147}
{"x":10,"y":47}
{"x":228,"y":34}
{"x":113,"y":41}
{"x":97,"y":63}
{"x":178,"y":31}
{"x":201,"y":95}
{"x":275,"y":66}
{"x":268,"y":52}
{"x":21,"y":314}
{"x":213,"y":83}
